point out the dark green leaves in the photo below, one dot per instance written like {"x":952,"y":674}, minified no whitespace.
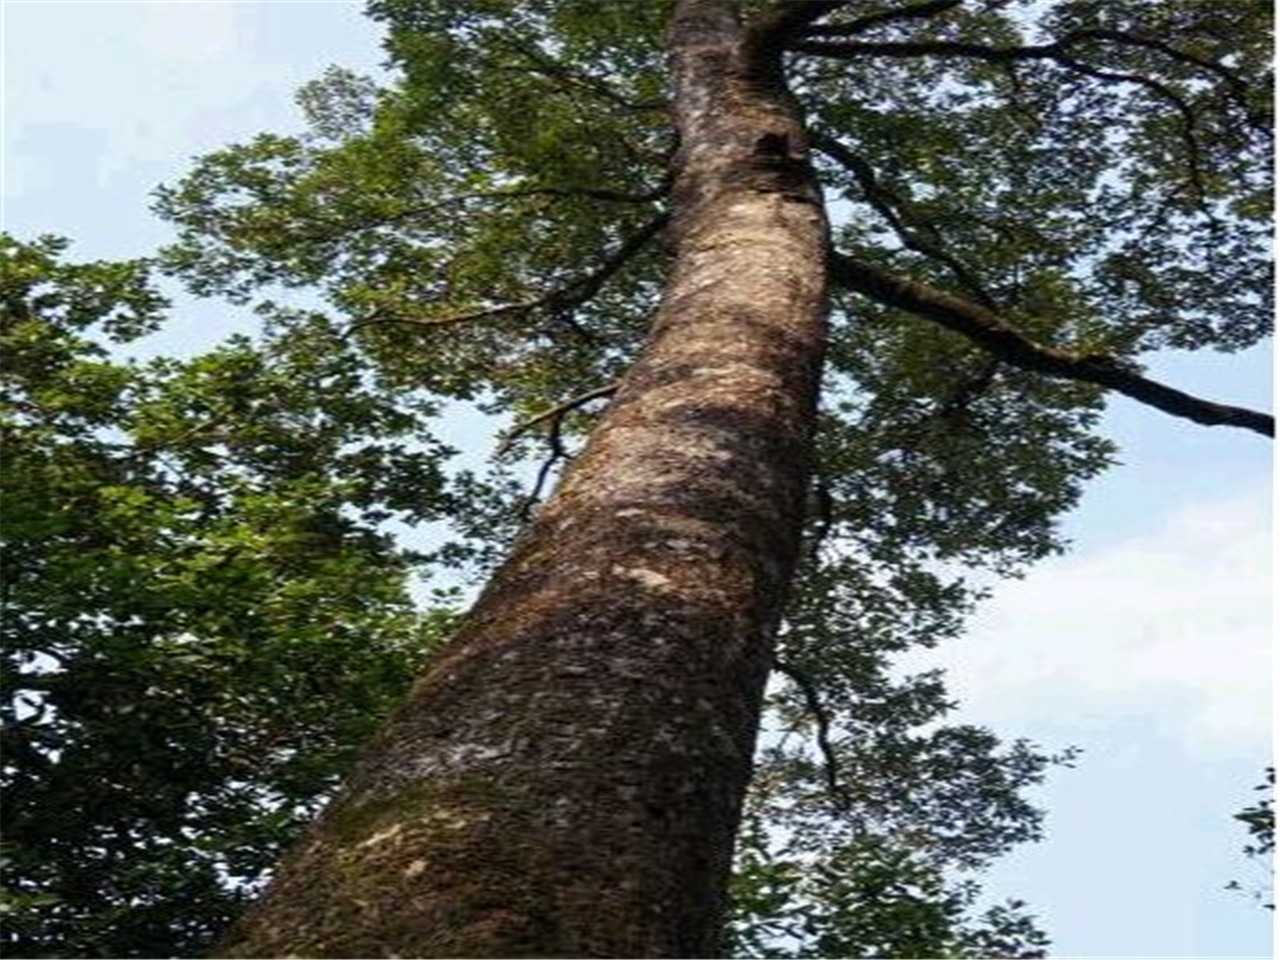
{"x":202,"y":616}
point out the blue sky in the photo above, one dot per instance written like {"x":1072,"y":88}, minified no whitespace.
{"x":1147,"y":645}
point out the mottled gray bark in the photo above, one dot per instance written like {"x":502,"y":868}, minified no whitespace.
{"x":567,"y":780}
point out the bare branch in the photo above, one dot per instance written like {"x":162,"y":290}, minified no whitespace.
{"x":572,"y":294}
{"x":889,"y":206}
{"x":557,"y":453}
{"x":911,"y":12}
{"x":993,"y":334}
{"x":556,"y":413}
{"x":822,"y":731}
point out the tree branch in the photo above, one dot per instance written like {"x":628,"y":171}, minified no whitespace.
{"x":1057,"y":52}
{"x":852,"y":49}
{"x":557,"y":453}
{"x":888,"y":205}
{"x":462,"y":199}
{"x":1239,"y":89}
{"x":548,"y":66}
{"x":572,"y":294}
{"x":989,"y":331}
{"x":819,"y":509}
{"x":822,"y":731}
{"x":556,"y":413}
{"x":771,"y":28}
{"x":580,"y":291}
{"x":1160,"y":90}
{"x":910,"y":12}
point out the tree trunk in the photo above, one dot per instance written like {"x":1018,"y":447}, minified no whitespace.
{"x":567,"y":779}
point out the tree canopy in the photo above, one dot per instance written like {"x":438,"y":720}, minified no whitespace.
{"x":208,"y":613}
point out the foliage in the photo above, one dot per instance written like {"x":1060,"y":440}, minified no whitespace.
{"x":1260,"y":820}
{"x":202,"y":617}
{"x":868,"y":897}
{"x":1110,"y":193}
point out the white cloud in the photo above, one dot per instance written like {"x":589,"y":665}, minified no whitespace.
{"x":1173,"y":627}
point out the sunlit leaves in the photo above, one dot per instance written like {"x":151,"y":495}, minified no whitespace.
{"x":413,"y":206}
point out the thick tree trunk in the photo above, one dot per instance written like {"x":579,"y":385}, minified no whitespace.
{"x":567,"y":780}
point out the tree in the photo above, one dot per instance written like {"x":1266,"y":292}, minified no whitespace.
{"x":865,"y":898}
{"x":1038,"y":203}
{"x":201,"y":618}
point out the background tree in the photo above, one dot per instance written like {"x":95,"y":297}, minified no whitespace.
{"x":201,"y":615}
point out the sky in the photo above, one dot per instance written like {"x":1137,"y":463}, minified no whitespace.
{"x":1147,"y":645}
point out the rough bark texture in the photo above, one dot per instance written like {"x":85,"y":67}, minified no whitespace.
{"x":567,"y":780}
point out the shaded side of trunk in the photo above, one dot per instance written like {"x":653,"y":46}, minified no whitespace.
{"x":567,"y":779}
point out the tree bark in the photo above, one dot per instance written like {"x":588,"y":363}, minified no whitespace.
{"x":567,"y":779}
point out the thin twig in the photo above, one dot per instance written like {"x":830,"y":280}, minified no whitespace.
{"x":822,"y":731}
{"x":557,"y":413}
{"x":573,"y":294}
{"x":558,"y":453}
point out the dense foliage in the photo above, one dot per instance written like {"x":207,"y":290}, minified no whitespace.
{"x":208,"y":614}
{"x":202,"y":617}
